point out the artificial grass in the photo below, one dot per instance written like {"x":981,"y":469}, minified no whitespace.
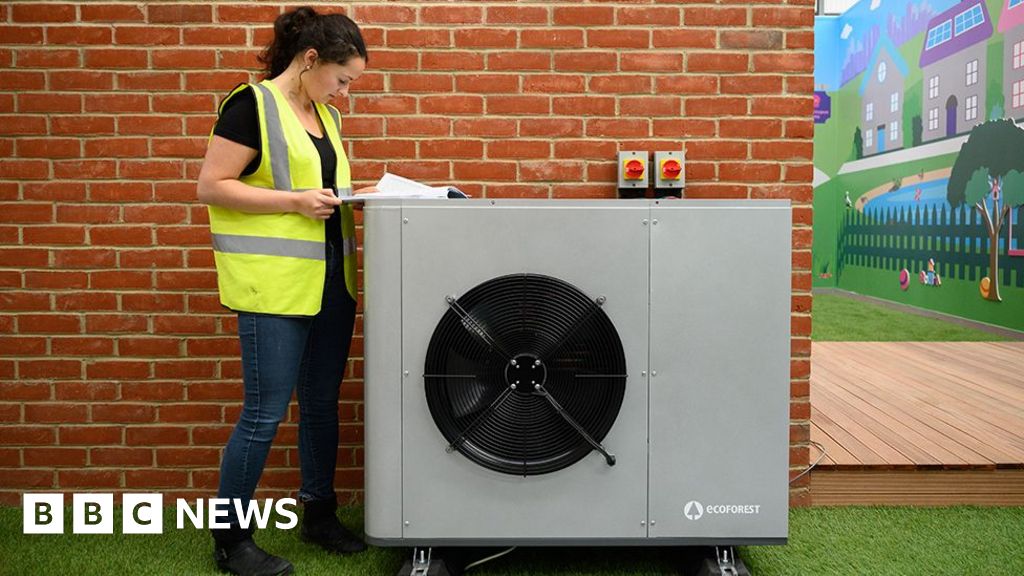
{"x":842,"y":319}
{"x":896,"y":541}
{"x":880,"y":541}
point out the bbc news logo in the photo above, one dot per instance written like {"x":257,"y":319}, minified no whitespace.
{"x":144,"y":513}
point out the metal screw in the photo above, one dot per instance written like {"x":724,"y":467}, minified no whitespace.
{"x":643,"y":523}
{"x":513,"y":362}
{"x":536,"y":362}
{"x":653,"y":522}
{"x":406,"y":522}
{"x":654,"y":373}
{"x":405,"y":373}
{"x":655,"y":222}
{"x":536,"y":386}
{"x":601,"y":299}
{"x":513,"y":386}
{"x":405,"y":220}
{"x":449,"y":298}
{"x":644,"y":222}
{"x":644,"y":373}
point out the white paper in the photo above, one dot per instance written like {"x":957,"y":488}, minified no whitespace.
{"x":395,"y":186}
{"x":406,"y":188}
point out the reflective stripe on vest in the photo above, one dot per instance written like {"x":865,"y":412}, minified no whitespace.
{"x":275,"y":141}
{"x":335,"y":115}
{"x":348,"y":246}
{"x":234,"y":244}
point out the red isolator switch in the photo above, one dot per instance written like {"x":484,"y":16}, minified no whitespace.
{"x":634,"y":169}
{"x":671,"y":169}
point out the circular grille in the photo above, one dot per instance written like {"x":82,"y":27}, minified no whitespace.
{"x":508,"y":357}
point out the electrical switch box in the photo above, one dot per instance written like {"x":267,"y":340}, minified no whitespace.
{"x":633,"y":174}
{"x":669,"y":174}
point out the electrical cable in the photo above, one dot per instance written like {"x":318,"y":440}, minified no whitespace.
{"x":813,"y":464}
{"x":488,"y":559}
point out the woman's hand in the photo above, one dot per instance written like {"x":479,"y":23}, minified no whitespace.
{"x":317,"y":204}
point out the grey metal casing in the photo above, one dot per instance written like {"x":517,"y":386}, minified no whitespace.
{"x":720,"y":329}
{"x":701,"y":298}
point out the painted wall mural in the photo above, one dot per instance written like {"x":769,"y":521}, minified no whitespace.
{"x":919,"y":167}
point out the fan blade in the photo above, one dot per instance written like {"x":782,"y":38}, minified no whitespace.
{"x":564,"y":338}
{"x":471,"y":399}
{"x":480,"y":417}
{"x":476,"y":328}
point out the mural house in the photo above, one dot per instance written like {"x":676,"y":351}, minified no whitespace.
{"x":953,"y":70}
{"x":881,"y":93}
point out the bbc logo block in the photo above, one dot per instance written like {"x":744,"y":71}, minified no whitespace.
{"x":93,"y":514}
{"x":142,"y":514}
{"x":43,"y":514}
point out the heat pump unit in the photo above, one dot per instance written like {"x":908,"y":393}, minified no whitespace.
{"x":576,"y":372}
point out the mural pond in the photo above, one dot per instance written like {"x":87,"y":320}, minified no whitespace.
{"x":928,"y":194}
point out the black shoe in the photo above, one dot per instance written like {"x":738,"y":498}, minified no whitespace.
{"x":245,"y":558}
{"x":320,"y":526}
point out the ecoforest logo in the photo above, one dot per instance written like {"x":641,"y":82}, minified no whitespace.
{"x":695,"y":510}
{"x":94,"y":513}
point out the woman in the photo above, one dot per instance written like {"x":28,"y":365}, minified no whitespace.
{"x":284,"y":245}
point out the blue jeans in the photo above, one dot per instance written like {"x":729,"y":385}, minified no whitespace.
{"x":281,"y":354}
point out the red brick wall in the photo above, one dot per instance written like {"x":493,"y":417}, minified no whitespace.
{"x":118,"y":368}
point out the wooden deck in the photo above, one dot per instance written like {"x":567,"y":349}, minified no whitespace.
{"x":932,"y":423}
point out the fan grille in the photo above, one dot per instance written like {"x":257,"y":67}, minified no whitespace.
{"x":499,"y":349}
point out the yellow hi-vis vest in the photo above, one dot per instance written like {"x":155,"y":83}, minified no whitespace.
{"x":275,"y":263}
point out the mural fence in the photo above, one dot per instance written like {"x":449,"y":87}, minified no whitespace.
{"x":900,"y":238}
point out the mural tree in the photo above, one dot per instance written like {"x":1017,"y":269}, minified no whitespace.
{"x":989,"y":175}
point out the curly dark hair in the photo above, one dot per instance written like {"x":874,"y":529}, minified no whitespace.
{"x":335,"y":37}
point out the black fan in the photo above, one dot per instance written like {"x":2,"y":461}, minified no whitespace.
{"x":525,"y":375}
